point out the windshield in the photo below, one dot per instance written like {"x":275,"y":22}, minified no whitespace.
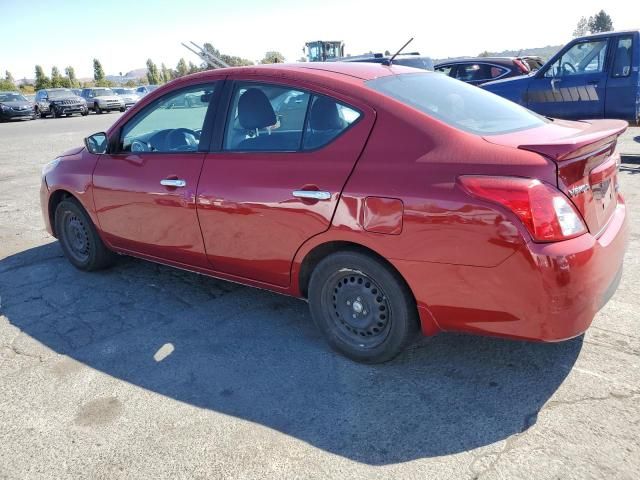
{"x":151,"y":88}
{"x":12,"y":97}
{"x":458,"y":104}
{"x":61,"y":93}
{"x":105,"y":92}
{"x":124,"y":91}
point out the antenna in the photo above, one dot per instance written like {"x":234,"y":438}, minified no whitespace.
{"x":390,"y":61}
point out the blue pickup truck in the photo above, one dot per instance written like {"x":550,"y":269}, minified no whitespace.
{"x":596,"y":76}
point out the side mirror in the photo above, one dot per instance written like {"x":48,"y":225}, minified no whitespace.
{"x":97,"y":143}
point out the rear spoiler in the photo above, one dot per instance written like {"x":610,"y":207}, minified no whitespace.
{"x":600,"y":134}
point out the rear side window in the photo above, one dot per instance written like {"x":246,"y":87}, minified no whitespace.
{"x":274,"y":118}
{"x":622,"y":58}
{"x":458,"y":104}
{"x":472,"y":72}
{"x":327,"y":119}
{"x":446,"y":69}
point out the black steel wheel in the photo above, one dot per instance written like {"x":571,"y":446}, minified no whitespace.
{"x":362,"y":306}
{"x":79,"y":239}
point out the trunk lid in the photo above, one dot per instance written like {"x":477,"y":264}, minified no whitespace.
{"x":586,"y":159}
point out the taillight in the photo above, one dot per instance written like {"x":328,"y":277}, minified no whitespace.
{"x":545,"y":211}
{"x":524,"y":68}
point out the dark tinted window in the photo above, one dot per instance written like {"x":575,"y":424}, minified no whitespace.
{"x":622,"y":59}
{"x":473,"y":72}
{"x":458,"y":104}
{"x":449,"y":70}
{"x":424,"y":63}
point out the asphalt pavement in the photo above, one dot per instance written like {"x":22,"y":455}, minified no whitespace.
{"x":144,"y":371}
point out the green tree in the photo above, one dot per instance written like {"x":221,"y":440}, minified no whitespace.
{"x":231,"y":60}
{"x":98,"y":71}
{"x":71,"y":76}
{"x":153,"y":75}
{"x":484,"y":54}
{"x":56,"y":78}
{"x":130,"y":83}
{"x":8,"y":77}
{"x":273,"y":57}
{"x":167,"y":74}
{"x":181,"y":69}
{"x":193,"y":68}
{"x":27,"y":88}
{"x":582,"y":28}
{"x":600,"y":22}
{"x":7,"y":85}
{"x":42,"y":81}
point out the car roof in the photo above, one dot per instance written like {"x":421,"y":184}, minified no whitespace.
{"x":362,"y":71}
{"x":477,"y":60}
{"x":608,"y":34}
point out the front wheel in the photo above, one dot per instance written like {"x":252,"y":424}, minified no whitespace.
{"x":79,"y":239}
{"x":363,"y":308}
{"x":97,"y":108}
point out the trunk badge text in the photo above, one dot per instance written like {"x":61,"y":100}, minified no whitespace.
{"x":578,"y":190}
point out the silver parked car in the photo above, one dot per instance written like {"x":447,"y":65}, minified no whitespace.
{"x":101,"y":99}
{"x":129,"y":96}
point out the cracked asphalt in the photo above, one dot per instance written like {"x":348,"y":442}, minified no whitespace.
{"x":144,"y":371}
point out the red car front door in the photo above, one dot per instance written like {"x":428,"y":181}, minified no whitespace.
{"x":270,"y":188}
{"x":145,"y":192}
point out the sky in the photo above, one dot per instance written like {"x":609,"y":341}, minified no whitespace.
{"x":124,"y":34}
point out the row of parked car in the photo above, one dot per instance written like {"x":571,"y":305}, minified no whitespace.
{"x":58,"y":102}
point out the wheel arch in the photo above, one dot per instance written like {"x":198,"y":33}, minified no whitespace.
{"x":54,"y":200}
{"x":309,"y":260}
{"x":323,"y":250}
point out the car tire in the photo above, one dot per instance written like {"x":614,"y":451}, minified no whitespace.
{"x":122,"y":109}
{"x":79,"y":238}
{"x":362,"y":307}
{"x":97,"y":108}
{"x":85,"y":112}
{"x":53,"y":112}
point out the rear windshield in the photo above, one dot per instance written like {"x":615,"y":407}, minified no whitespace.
{"x":458,"y":104}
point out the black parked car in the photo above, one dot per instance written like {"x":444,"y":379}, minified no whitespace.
{"x":58,"y":102}
{"x":485,"y":69}
{"x":14,"y":106}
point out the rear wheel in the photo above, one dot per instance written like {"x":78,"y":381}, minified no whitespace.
{"x":362,"y":307}
{"x":79,"y":239}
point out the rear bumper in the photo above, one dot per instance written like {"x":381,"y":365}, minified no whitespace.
{"x":545,"y":292}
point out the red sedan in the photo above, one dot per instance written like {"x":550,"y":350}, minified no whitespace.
{"x":392,"y":200}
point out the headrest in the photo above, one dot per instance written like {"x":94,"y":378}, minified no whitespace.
{"x":324,"y":115}
{"x":255,"y":110}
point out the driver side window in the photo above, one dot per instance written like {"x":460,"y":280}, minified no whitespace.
{"x":581,"y":58}
{"x":172,"y":123}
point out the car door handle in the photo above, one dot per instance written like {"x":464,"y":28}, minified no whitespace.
{"x":173,"y":182}
{"x":312,"y":194}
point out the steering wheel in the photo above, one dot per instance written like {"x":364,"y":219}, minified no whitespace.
{"x":183,"y":139}
{"x":140,"y":146}
{"x":567,"y":64}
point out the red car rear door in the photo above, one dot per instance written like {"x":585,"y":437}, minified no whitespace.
{"x":275,"y":180}
{"x":145,"y":190}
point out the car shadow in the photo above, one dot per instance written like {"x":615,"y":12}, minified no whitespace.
{"x":257,"y":356}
